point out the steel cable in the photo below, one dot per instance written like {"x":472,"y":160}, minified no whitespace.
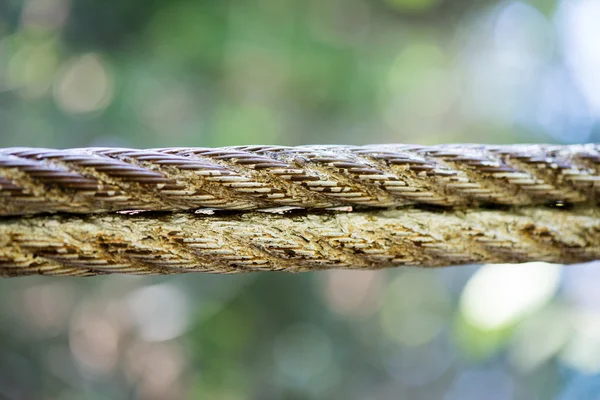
{"x":96,"y":180}
{"x":226,"y":242}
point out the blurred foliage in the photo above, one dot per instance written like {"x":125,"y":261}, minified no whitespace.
{"x":229,"y":72}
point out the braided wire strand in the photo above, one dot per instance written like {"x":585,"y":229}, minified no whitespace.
{"x":96,"y":180}
{"x":170,"y":243}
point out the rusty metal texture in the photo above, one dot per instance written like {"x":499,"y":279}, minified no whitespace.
{"x":96,"y":180}
{"x":225,"y":242}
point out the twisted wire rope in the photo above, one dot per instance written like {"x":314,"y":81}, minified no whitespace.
{"x":95,"y":180}
{"x":392,"y":186}
{"x":171,"y":243}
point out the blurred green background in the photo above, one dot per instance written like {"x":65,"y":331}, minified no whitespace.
{"x":156,"y":73}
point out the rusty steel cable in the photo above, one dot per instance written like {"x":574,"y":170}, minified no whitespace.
{"x":96,"y":180}
{"x":130,"y":211}
{"x":228,"y":242}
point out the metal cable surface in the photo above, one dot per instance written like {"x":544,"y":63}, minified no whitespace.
{"x":96,"y":180}
{"x":169,"y":243}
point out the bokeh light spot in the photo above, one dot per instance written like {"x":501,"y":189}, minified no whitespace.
{"x":31,"y":69}
{"x":353,"y":293}
{"x":84,"y":85}
{"x":160,"y":312}
{"x":539,"y":338}
{"x":579,"y":27}
{"x":94,"y":341}
{"x":498,"y":295}
{"x":582,"y":351}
